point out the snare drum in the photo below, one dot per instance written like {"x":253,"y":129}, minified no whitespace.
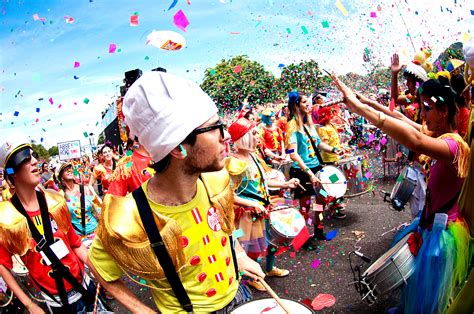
{"x":333,"y":181}
{"x":388,"y":272}
{"x":285,"y":224}
{"x":269,"y":305}
{"x":352,"y":168}
{"x":404,"y":188}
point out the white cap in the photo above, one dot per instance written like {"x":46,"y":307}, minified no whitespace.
{"x":162,"y":110}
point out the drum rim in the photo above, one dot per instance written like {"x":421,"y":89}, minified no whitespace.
{"x":283,"y":298}
{"x":349,"y":159}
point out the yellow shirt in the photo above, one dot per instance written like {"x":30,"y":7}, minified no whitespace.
{"x":209,"y":274}
{"x":328,"y":135}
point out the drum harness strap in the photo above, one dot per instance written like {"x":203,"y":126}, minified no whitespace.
{"x":83,"y":212}
{"x":60,"y":271}
{"x":265,"y":200}
{"x":158,"y":246}
{"x":316,"y":150}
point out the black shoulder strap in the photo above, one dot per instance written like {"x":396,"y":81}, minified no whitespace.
{"x":43,"y":243}
{"x":156,"y":242}
{"x":83,"y":209}
{"x":426,"y":221}
{"x":316,"y":150}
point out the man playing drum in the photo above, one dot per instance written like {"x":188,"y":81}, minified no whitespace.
{"x":175,"y":231}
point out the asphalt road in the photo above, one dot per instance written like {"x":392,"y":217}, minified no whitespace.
{"x":367,"y":214}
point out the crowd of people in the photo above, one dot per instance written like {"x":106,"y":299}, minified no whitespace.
{"x":189,"y":206}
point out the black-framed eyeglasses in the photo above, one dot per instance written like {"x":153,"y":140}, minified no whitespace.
{"x":219,"y":125}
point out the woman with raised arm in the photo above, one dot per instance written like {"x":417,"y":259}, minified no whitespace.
{"x":442,"y":258}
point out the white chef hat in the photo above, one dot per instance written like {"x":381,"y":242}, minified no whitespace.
{"x":162,"y":110}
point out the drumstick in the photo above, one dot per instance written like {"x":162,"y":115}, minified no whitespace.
{"x":274,"y":295}
{"x":302,"y":187}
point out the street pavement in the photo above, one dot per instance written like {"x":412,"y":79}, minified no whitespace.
{"x":369,"y":226}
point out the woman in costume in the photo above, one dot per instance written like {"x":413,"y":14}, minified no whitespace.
{"x":251,"y":200}
{"x":303,"y":145}
{"x":103,"y":171}
{"x":272,"y":138}
{"x":442,"y":256}
{"x":83,"y":203}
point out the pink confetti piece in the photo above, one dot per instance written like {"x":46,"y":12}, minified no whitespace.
{"x":383,"y":141}
{"x":323,"y":300}
{"x":37,"y":18}
{"x":373,"y":14}
{"x":51,"y":100}
{"x":180,"y":20}
{"x":315,"y":263}
{"x":368,"y":174}
{"x":112,"y":48}
{"x":77,"y":64}
{"x":134,"y":20}
{"x":68,"y":19}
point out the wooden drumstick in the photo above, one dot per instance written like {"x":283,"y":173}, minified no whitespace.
{"x":302,"y":187}
{"x":274,"y":295}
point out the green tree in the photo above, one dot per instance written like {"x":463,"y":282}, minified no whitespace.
{"x":304,"y":77}
{"x":41,"y":151}
{"x":101,"y":139}
{"x":53,"y":151}
{"x":232,"y":81}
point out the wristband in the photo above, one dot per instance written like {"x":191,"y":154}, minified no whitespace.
{"x":381,"y":120}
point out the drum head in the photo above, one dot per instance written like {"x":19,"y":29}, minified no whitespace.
{"x":287,"y":221}
{"x":269,"y":305}
{"x":333,"y":181}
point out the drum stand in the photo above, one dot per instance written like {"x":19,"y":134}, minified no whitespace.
{"x":366,"y":290}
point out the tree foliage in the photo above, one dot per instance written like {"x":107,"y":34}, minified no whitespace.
{"x":41,"y":151}
{"x":53,"y":151}
{"x":303,"y":77}
{"x":232,"y":81}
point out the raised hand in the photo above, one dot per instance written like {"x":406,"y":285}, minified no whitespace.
{"x":395,"y":64}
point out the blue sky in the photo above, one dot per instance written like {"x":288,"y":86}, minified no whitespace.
{"x":37,"y":57}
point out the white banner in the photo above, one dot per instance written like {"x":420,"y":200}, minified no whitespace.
{"x":69,"y":150}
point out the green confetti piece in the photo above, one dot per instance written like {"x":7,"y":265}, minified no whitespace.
{"x":325,"y":24}
{"x":86,"y":100}
{"x":323,"y":193}
{"x":304,"y":29}
{"x":119,"y":50}
{"x":97,"y":123}
{"x":147,"y":58}
{"x":75,"y":172}
{"x":129,"y":153}
{"x":86,"y":134}
{"x":136,"y":13}
{"x":143,"y":281}
{"x":288,"y":31}
{"x":237,"y":233}
{"x":212,"y":72}
{"x":129,"y":164}
{"x":333,"y":178}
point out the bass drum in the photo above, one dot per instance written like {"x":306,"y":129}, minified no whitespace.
{"x":285,"y":224}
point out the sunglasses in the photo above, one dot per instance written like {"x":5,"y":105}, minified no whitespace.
{"x":32,"y":155}
{"x":219,"y":125}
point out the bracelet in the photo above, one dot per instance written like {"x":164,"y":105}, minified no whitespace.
{"x":381,"y":120}
{"x":333,"y":150}
{"x":240,"y":254}
{"x":307,"y":169}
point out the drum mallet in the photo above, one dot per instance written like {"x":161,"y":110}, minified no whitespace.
{"x":274,"y":295}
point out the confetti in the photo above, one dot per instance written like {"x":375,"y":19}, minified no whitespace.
{"x":16,"y":113}
{"x":134,"y":20}
{"x":237,"y":233}
{"x":77,"y":64}
{"x":304,"y":29}
{"x":237,"y":69}
{"x":86,"y":100}
{"x":323,"y":300}
{"x":37,"y":110}
{"x":172,"y":5}
{"x":51,"y":100}
{"x":180,"y":20}
{"x":325,"y":24}
{"x":112,"y":48}
{"x":315,"y":263}
{"x":331,"y":235}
